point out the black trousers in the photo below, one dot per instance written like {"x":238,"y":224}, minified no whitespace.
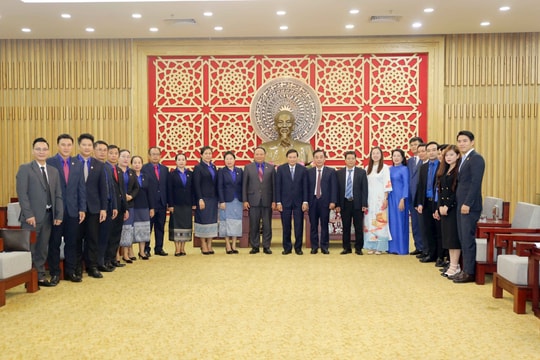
{"x":349,"y":216}
{"x":69,"y":229}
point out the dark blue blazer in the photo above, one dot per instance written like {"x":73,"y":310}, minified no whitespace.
{"x":469,"y":183}
{"x":329,"y":187}
{"x":115,"y":196}
{"x":291,"y":192}
{"x":205,"y":186}
{"x":422,"y":184}
{"x":74,"y":192}
{"x":360,"y":187}
{"x":180,"y":194}
{"x":144,"y":197}
{"x":157,"y":187}
{"x":131,"y":187}
{"x":227,"y":188}
{"x":96,"y":187}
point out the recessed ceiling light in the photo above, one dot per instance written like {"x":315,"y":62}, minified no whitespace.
{"x":349,"y":26}
{"x":429,"y":10}
{"x":283,"y":27}
{"x":208,"y":13}
{"x":485,"y":23}
{"x":136,"y":16}
{"x":89,"y":29}
{"x":354,"y":11}
{"x":417,"y":25}
{"x":26,"y":30}
{"x":504,"y":8}
{"x":66,"y":16}
{"x":281,"y":13}
{"x":218,"y":28}
{"x":154,"y":29}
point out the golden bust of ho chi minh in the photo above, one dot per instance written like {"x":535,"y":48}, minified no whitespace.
{"x":276,"y":150}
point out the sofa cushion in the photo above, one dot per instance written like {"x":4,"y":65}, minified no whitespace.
{"x":14,"y":263}
{"x":514,"y":268}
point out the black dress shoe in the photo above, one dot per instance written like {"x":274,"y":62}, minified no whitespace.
{"x":147,"y":253}
{"x":267,"y":251}
{"x":463,"y":277}
{"x":325,"y":251}
{"x":421,"y":255}
{"x":45,"y":283}
{"x":314,"y":251}
{"x":106,"y":268}
{"x":440,"y":262}
{"x":254,"y":251}
{"x":427,"y":259}
{"x":116,"y":263}
{"x":415,"y":252}
{"x":358,"y":252}
{"x":143,"y":257}
{"x":72,"y":277}
{"x":286,"y":252}
{"x":161,"y":253}
{"x":299,"y":252}
{"x":94,"y":272}
{"x":345,"y":252}
{"x":55,"y":280}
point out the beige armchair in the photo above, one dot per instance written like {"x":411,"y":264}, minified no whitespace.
{"x":16,"y":261}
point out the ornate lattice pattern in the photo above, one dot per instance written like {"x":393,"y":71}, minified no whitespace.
{"x":366,"y":99}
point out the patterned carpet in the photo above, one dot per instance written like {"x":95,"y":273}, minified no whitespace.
{"x":267,"y":307}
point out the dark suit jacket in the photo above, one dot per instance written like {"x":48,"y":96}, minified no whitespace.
{"x":253,"y":190}
{"x":32,"y":192}
{"x":74,"y":192}
{"x":157,"y":187}
{"x":205,"y":186}
{"x":96,"y":187}
{"x":227,"y":188}
{"x":469,"y":185}
{"x":144,"y":197}
{"x":360,"y":188}
{"x":414,"y":172}
{"x":422,"y":184}
{"x":132,"y":187}
{"x":329,"y":187}
{"x":180,"y":194}
{"x":291,"y":192}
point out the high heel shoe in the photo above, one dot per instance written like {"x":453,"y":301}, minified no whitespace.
{"x":129,"y":261}
{"x":234,"y":251}
{"x":132,"y":258}
{"x":229,"y":252}
{"x":143,"y":257}
{"x":211,"y":252}
{"x":205,"y":252}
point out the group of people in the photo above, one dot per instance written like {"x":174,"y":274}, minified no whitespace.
{"x":100,"y":205}
{"x":98,"y":202}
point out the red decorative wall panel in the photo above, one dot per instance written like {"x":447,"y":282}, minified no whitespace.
{"x":367,"y":100}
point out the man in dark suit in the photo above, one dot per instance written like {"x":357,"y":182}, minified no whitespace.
{"x":352,"y":202}
{"x":157,"y":176}
{"x":96,"y":207}
{"x":74,"y":198}
{"x":426,"y":203}
{"x":258,"y":195}
{"x":292,"y":199}
{"x":469,"y":202}
{"x":414,"y":164}
{"x":322,"y":195}
{"x":40,"y":198}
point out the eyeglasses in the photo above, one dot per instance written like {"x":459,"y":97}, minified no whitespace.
{"x":41,"y":149}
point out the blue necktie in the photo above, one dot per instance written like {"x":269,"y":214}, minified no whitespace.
{"x":348,"y":186}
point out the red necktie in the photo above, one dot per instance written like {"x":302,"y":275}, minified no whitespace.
{"x":66,"y":170}
{"x":260,"y":172}
{"x":115,"y":173}
{"x":156,"y":170}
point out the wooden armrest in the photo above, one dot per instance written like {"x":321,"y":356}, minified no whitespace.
{"x":490,"y":233}
{"x":524,"y":248}
{"x":1,"y":245}
{"x":509,"y":241}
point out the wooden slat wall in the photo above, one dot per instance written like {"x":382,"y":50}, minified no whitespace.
{"x":492,"y":88}
{"x":48,"y":87}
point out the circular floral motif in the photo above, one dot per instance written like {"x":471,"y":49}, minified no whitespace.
{"x":286,"y":94}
